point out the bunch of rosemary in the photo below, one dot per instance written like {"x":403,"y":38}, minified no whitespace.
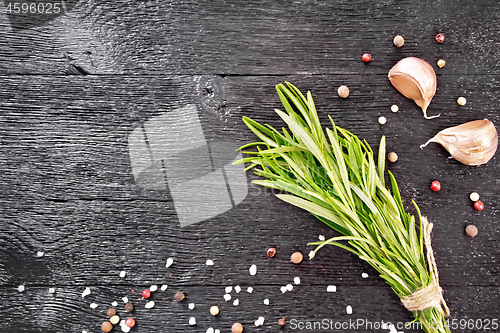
{"x":334,"y":177}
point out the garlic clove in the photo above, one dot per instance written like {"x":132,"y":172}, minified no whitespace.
{"x":472,"y":143}
{"x":415,"y":78}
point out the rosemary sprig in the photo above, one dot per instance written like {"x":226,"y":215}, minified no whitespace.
{"x":335,"y":178}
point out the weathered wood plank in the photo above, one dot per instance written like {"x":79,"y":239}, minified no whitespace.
{"x":68,"y":188}
{"x":35,"y":310}
{"x":91,"y":242}
{"x":67,"y":137}
{"x":207,"y":37}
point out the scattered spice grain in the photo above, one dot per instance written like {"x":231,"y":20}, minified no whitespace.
{"x":214,"y":310}
{"x":398,"y":41}
{"x":237,"y":328}
{"x":474,"y":196}
{"x":130,"y":322}
{"x":436,"y":186}
{"x":106,"y":326}
{"x":111,"y":312}
{"x":296,"y":257}
{"x":114,"y":319}
{"x":392,"y":157}
{"x":343,"y":91}
{"x":179,"y":296}
{"x":146,"y":293}
{"x":471,"y":230}
{"x":440,"y":38}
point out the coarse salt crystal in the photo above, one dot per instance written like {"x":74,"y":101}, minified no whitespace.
{"x":260,"y":321}
{"x":93,"y":305}
{"x":229,"y":289}
{"x":40,"y":254}
{"x":266,"y":301}
{"x":283,"y":289}
{"x":164,"y":287}
{"x":86,"y":292}
{"x":249,"y":290}
{"x":331,"y":289}
{"x":236,"y":302}
{"x":209,"y":262}
{"x":125,"y":299}
{"x":296,"y":280}
{"x":84,"y":331}
{"x":149,"y":304}
{"x":364,"y":275}
{"x":237,"y":289}
{"x":227,"y":297}
{"x":191,"y":306}
{"x":153,"y":287}
{"x":253,"y":270}
{"x":125,"y":328}
{"x":289,"y":287}
{"x":52,"y":290}
{"x":210,"y":330}
{"x":348,"y":309}
{"x":123,"y":274}
{"x":217,"y":331}
{"x":192,"y":321}
{"x":311,"y":254}
{"x":321,"y":237}
{"x":256,"y":323}
{"x":115,"y":303}
{"x":169,"y":263}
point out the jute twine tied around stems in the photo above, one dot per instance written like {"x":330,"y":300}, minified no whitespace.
{"x":432,"y":294}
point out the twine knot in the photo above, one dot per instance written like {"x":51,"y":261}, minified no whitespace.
{"x":432,"y":294}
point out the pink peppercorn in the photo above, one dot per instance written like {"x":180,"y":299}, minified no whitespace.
{"x":440,"y":38}
{"x":436,"y":186}
{"x":146,"y":293}
{"x":271,"y":252}
{"x":130,"y":322}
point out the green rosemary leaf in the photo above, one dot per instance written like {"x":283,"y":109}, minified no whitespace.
{"x":381,"y":160}
{"x":250,"y":145}
{"x":334,"y":177}
{"x":253,"y":125}
{"x":311,"y":207}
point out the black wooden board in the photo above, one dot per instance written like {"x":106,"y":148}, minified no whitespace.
{"x":68,"y":189}
{"x":257,"y":37}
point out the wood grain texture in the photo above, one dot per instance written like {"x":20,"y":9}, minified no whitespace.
{"x":226,"y":37}
{"x":66,"y":310}
{"x":67,"y":186}
{"x":68,"y":190}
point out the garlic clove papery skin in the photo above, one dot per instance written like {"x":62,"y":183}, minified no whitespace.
{"x":473,"y":143}
{"x":415,"y":78}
